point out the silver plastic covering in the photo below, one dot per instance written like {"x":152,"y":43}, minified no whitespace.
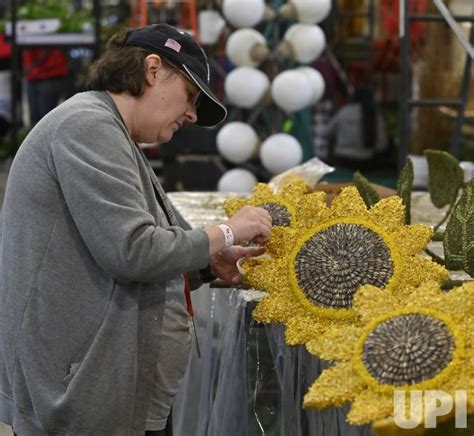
{"x":248,"y":382}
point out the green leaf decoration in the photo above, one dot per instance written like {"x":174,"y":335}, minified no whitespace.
{"x":366,"y":190}
{"x":445,"y":177}
{"x":404,"y":188}
{"x":459,"y":236}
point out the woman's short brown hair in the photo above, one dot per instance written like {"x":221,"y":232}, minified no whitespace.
{"x":121,"y":68}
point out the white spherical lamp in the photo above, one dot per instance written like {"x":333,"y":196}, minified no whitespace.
{"x":210,"y":24}
{"x":246,"y":47}
{"x":243,"y":14}
{"x":306,"y":42}
{"x":237,"y":180}
{"x":316,"y":81}
{"x":306,"y":11}
{"x":237,"y":142}
{"x":280,"y":152}
{"x":290,"y":91}
{"x":246,"y":86}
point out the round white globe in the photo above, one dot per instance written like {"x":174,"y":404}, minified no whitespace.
{"x":307,"y":41}
{"x":290,"y":91}
{"x":280,"y":152}
{"x":237,"y":142}
{"x":245,"y":86}
{"x":239,"y":46}
{"x":312,"y":12}
{"x":316,"y":80}
{"x":237,"y":180}
{"x":243,"y":14}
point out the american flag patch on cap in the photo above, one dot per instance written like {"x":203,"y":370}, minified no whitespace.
{"x":173,"y":45}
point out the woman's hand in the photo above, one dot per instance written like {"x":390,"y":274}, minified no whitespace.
{"x":251,"y":224}
{"x":223,"y":264}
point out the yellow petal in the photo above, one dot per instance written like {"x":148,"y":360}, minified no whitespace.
{"x":427,"y":295}
{"x":281,"y":239}
{"x":265,"y":273}
{"x":388,"y":213}
{"x":270,"y":310}
{"x":294,"y":190}
{"x":370,"y":302}
{"x":388,"y":427}
{"x":261,"y":192}
{"x":337,"y":343}
{"x":233,"y":205}
{"x":369,"y":406}
{"x":418,"y":269}
{"x":312,"y":210}
{"x":348,"y":203}
{"x":414,"y":238}
{"x":301,"y":327}
{"x":462,"y":381}
{"x":459,"y":303}
{"x":334,"y":387}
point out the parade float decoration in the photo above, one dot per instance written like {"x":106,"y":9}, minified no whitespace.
{"x":421,"y":341}
{"x":316,"y":263}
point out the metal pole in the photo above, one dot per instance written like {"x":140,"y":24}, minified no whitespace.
{"x":405,"y":91}
{"x":455,"y":148}
{"x":97,"y":15}
{"x":444,"y":11}
{"x":15,"y":79}
{"x":438,"y":17}
{"x":371,"y":17}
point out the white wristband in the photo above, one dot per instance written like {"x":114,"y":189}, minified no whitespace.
{"x":228,"y":234}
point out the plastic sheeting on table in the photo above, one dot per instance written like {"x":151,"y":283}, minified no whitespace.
{"x":248,"y":382}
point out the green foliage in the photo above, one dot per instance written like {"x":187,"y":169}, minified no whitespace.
{"x":404,"y":188}
{"x":366,"y":190}
{"x":71,"y":21}
{"x":459,"y":236}
{"x":446,"y":177}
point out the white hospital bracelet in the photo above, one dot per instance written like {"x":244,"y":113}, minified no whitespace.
{"x":228,"y":234}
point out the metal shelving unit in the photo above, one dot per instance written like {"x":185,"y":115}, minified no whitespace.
{"x":62,"y":41}
{"x":349,"y":55}
{"x":406,"y":100}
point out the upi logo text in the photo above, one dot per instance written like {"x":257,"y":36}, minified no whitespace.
{"x":426,"y":406}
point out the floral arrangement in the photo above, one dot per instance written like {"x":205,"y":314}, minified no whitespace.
{"x":317,"y":262}
{"x":349,"y":281}
{"x":419,"y":342}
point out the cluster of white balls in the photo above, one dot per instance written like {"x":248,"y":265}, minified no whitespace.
{"x":246,"y":86}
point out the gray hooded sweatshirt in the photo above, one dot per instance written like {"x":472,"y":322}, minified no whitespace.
{"x":86,"y":252}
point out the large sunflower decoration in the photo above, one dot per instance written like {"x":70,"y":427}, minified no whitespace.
{"x":282,"y":206}
{"x":423,"y":342}
{"x":317,"y":262}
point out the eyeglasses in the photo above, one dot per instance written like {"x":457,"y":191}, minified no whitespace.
{"x":194,"y":93}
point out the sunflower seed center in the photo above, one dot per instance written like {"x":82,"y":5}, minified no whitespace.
{"x":333,"y":263}
{"x":279,"y":213}
{"x":408,"y":349}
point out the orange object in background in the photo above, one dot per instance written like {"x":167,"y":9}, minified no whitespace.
{"x":188,"y":14}
{"x":350,"y":27}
